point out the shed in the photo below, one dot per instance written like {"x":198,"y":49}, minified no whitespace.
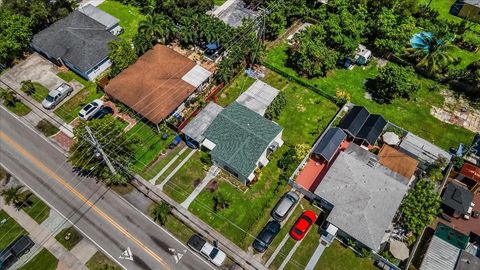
{"x":440,"y":255}
{"x":110,"y":22}
{"x":258,"y":97}
{"x":327,"y":147}
{"x":362,"y":55}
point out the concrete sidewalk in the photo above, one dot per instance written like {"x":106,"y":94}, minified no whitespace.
{"x":162,"y":184}
{"x":316,"y":256}
{"x":211,"y":174}
{"x":164,"y":169}
{"x":40,"y":235}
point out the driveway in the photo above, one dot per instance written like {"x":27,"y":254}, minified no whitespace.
{"x":34,"y":68}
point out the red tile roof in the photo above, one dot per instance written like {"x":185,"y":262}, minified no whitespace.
{"x":153,"y":86}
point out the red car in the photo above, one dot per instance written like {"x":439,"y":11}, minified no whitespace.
{"x":304,"y":222}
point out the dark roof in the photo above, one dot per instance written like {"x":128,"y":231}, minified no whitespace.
{"x":354,"y":120}
{"x":452,"y":236}
{"x":361,"y":124}
{"x":467,"y":261}
{"x":372,"y":128}
{"x":457,"y":197}
{"x":329,"y":144}
{"x":241,"y":136}
{"x":77,"y":39}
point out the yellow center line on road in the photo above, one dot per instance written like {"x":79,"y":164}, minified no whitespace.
{"x":64,"y":183}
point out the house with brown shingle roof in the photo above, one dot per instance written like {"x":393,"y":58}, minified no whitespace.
{"x":158,"y":83}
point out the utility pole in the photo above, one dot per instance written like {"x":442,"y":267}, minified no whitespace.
{"x":93,"y":141}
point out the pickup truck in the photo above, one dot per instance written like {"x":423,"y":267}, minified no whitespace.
{"x":15,"y":250}
{"x":207,"y":250}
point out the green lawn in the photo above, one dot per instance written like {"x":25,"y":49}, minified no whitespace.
{"x":129,"y":17}
{"x":69,"y":110}
{"x":47,"y":128}
{"x":43,"y":260}
{"x":175,"y":226}
{"x":39,"y":211}
{"x":337,"y":257}
{"x":101,"y":262}
{"x":413,"y":115}
{"x":74,"y":237}
{"x":39,"y":93}
{"x":303,"y":119}
{"x":232,"y":91}
{"x":219,"y":2}
{"x":283,"y":253}
{"x":19,"y":108}
{"x":465,"y":57}
{"x":156,"y":167}
{"x":304,"y":252}
{"x":9,"y":230}
{"x":443,"y":7}
{"x":182,"y":183}
{"x":173,"y":166}
{"x":149,"y":145}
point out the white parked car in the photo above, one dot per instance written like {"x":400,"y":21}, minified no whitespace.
{"x":56,"y":96}
{"x":90,"y":109}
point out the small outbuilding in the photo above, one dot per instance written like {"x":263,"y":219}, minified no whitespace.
{"x":258,"y":97}
{"x":362,"y":125}
{"x":457,"y":198}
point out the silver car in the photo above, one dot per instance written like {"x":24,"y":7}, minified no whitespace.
{"x":56,"y":96}
{"x":284,"y":206}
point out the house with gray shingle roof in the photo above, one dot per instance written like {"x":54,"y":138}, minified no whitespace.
{"x":77,"y":42}
{"x":240,"y":141}
{"x":361,"y":195}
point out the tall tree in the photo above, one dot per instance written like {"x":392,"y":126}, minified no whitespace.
{"x":310,"y":56}
{"x":115,"y":144}
{"x":345,"y":25}
{"x":121,"y":54}
{"x":13,"y":195}
{"x":158,"y":27}
{"x":420,"y":206}
{"x":15,"y":35}
{"x":161,"y":212}
{"x":391,"y":82}
{"x":275,"y":22}
{"x":435,"y":54}
{"x":392,"y":31}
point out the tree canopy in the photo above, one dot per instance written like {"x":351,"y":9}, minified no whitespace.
{"x":121,"y":55}
{"x":392,"y":81}
{"x":392,"y":31}
{"x":114,"y":142}
{"x":310,"y":55}
{"x":420,"y":206}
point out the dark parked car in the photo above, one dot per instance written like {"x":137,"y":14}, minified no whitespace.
{"x":14,"y":251}
{"x":102,"y":113}
{"x":175,"y":142}
{"x":284,"y":206}
{"x":266,"y":236}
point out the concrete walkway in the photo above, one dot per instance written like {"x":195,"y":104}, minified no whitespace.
{"x":277,"y":250}
{"x":84,"y":250}
{"x":39,"y":234}
{"x":290,"y":254}
{"x":162,"y":184}
{"x":164,"y":169}
{"x":315,"y":257}
{"x":211,"y":174}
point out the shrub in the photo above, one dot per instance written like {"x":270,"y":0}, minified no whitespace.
{"x":47,"y":128}
{"x":220,"y":201}
{"x":342,"y":97}
{"x":275,"y":108}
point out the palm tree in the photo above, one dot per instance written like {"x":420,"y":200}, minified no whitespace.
{"x":158,"y":26}
{"x":12,"y":195}
{"x":160,"y":212}
{"x":9,"y":97}
{"x":433,"y":50}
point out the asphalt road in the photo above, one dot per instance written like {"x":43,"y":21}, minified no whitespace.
{"x":107,"y":219}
